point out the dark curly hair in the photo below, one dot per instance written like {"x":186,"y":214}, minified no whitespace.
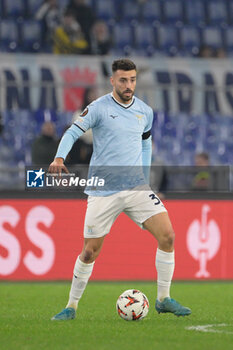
{"x":123,"y":64}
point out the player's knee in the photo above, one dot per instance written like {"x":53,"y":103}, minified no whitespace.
{"x":167,"y":239}
{"x":88,"y":255}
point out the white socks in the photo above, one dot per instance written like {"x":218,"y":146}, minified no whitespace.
{"x":82,"y":273}
{"x":165,"y":263}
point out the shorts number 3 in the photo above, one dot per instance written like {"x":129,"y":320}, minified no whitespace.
{"x":155,"y":198}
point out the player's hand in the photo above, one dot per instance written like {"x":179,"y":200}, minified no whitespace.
{"x":57,"y":167}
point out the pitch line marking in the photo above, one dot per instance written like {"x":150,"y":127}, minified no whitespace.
{"x":208,"y":328}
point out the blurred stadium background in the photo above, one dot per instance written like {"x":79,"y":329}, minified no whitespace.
{"x":183,"y":50}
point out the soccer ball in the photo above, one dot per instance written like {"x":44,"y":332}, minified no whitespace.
{"x":132,"y":305}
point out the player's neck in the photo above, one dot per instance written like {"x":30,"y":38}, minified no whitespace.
{"x":118,"y":99}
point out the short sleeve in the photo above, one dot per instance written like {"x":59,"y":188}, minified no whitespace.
{"x":88,"y":118}
{"x":150,"y":117}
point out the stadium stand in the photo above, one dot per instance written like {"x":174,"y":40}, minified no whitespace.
{"x":142,"y":28}
{"x":106,"y":10}
{"x":33,"y":6}
{"x":172,"y":134}
{"x":123,"y":38}
{"x":175,"y":133}
{"x":190,"y":40}
{"x":151,"y":12}
{"x":228,"y":39}
{"x":195,"y":12}
{"x":167,"y":36}
{"x":31,"y":31}
{"x":130,"y":10}
{"x":217,"y":12}
{"x":15,"y":9}
{"x":212,"y":36}
{"x":196,"y":22}
{"x":145,"y":39}
{"x":173,"y":11}
{"x":9,"y":35}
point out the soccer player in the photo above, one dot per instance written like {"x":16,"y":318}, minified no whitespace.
{"x":121,"y":126}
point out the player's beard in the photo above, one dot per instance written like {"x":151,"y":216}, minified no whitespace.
{"x":124,"y":98}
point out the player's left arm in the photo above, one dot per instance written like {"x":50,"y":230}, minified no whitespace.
{"x":147,"y":146}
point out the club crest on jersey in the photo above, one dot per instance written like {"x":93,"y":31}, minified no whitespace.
{"x":139,"y":116}
{"x":84,"y":112}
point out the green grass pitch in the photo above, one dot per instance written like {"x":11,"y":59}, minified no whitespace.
{"x":26,"y":309}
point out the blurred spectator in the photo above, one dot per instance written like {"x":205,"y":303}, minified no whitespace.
{"x":202,"y":180}
{"x":206,"y":52}
{"x":69,"y":38}
{"x":80,"y":153}
{"x":220,"y":53}
{"x":50,"y":15}
{"x":202,"y":159}
{"x":100,"y":39}
{"x":84,"y":15}
{"x":45,"y":145}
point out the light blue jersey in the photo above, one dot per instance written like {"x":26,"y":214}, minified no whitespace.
{"x":117,"y":137}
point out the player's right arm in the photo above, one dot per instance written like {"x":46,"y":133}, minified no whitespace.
{"x":76,"y":130}
{"x":58,"y":166}
{"x":65,"y":145}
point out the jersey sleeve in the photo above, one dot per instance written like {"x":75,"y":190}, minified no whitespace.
{"x":67,"y":141}
{"x":89,"y":118}
{"x":146,"y":157}
{"x":150,"y":117}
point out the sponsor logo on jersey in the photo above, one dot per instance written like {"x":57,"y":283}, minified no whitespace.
{"x":113,"y":116}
